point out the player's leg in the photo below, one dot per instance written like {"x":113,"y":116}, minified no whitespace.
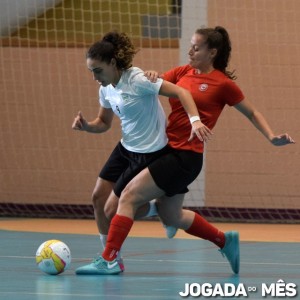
{"x":168,"y":174}
{"x":136,"y":163}
{"x":181,"y":169}
{"x":142,"y":189}
{"x":171,"y":212}
{"x":138,"y":192}
{"x":146,"y":210}
{"x":109,"y":175}
{"x":101,"y":193}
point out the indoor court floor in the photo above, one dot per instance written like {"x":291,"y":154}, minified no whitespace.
{"x":155,"y":267}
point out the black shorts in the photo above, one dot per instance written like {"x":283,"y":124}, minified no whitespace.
{"x":174,"y":171}
{"x":123,"y":165}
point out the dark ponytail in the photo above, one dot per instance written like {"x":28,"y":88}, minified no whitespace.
{"x":218,"y":38}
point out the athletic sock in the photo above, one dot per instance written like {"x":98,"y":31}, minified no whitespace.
{"x":103,"y":239}
{"x":152,"y":209}
{"x":118,"y":231}
{"x":203,"y":229}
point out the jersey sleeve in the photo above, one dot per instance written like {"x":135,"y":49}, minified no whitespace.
{"x":232,"y":93}
{"x":143,"y":86}
{"x":102,"y":98}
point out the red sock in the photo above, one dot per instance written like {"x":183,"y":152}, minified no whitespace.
{"x":201,"y":228}
{"x":118,"y":231}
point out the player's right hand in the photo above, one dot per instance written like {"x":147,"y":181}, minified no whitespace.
{"x":151,"y":75}
{"x":203,"y":133}
{"x":79,"y":122}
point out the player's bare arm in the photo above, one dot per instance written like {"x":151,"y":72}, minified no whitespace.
{"x":259,"y":121}
{"x":169,"y":89}
{"x":101,"y":124}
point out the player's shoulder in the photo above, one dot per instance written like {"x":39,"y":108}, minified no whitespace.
{"x":229,"y":86}
{"x":181,"y":70}
{"x":131,"y":74}
{"x":133,"y":71}
{"x":221,"y":77}
{"x":175,"y":74}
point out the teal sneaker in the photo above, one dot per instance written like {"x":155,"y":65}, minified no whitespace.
{"x":231,"y":250}
{"x":170,"y":231}
{"x":100,"y":266}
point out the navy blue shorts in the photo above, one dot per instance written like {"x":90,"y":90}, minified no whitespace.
{"x":123,"y":165}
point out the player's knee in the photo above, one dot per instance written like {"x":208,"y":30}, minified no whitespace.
{"x":130,"y":196}
{"x":95,"y":200}
{"x":98,"y":203}
{"x":109,"y":211}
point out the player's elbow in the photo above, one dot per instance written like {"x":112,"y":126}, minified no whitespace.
{"x":103,"y":125}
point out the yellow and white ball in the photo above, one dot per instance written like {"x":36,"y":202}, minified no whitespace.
{"x":53,"y":257}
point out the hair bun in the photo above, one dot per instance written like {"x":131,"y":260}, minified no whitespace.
{"x":112,"y":37}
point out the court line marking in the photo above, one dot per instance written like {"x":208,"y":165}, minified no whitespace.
{"x":212,"y":262}
{"x":169,"y":261}
{"x":88,"y":295}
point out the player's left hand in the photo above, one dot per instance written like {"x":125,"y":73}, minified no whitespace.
{"x":201,"y":131}
{"x":282,"y":140}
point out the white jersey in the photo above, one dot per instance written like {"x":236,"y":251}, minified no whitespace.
{"x":135,"y":101}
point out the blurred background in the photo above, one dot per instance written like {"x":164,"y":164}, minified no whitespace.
{"x":49,"y":170}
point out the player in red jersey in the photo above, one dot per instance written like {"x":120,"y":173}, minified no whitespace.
{"x":167,"y":178}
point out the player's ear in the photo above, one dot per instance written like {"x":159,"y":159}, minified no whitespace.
{"x":213,"y":52}
{"x":113,"y":62}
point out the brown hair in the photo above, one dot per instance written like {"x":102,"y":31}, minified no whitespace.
{"x":113,"y":45}
{"x":218,"y":38}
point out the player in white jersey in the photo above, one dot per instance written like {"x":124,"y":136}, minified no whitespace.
{"x":134,"y":101}
{"x":127,"y":93}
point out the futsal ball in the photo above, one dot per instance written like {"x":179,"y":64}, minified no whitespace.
{"x":53,"y":257}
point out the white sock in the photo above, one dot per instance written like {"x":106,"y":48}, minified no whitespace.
{"x":103,"y":239}
{"x":152,"y":209}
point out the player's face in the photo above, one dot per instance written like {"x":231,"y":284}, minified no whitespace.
{"x":200,"y":56}
{"x":103,"y":72}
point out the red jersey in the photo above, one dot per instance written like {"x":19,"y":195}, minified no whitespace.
{"x":211,"y":92}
